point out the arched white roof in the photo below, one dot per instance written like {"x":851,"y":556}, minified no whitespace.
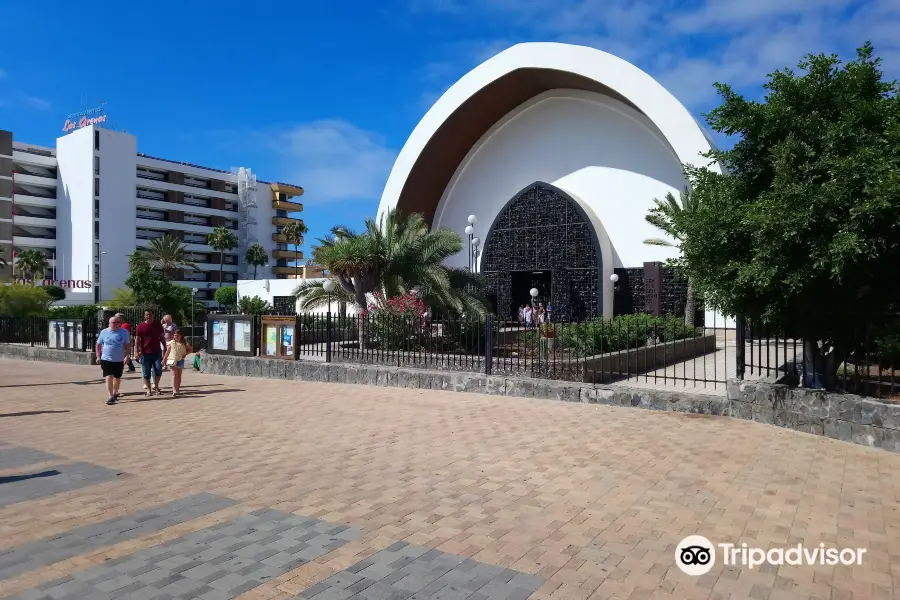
{"x":682,"y":132}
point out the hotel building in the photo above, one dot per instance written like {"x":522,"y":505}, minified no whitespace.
{"x":94,"y":199}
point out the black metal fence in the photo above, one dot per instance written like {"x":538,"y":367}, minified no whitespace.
{"x":635,"y":348}
{"x":864,"y":359}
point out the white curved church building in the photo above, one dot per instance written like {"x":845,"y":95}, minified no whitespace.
{"x":559,"y":151}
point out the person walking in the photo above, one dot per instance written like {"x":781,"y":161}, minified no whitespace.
{"x":149,"y":341}
{"x":169,"y":327}
{"x":127,"y":328}
{"x":176,"y":351}
{"x":113,"y":345}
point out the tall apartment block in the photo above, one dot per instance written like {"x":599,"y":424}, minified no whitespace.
{"x":94,"y":199}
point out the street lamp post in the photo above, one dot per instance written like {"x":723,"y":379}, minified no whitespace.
{"x":475,"y":243}
{"x":193,"y":317}
{"x":470,"y":231}
{"x":328,"y":286}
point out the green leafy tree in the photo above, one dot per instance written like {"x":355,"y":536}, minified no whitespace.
{"x":802,"y":232}
{"x":151,"y":287}
{"x":663,"y":216}
{"x":254,"y":305}
{"x":122,"y":298}
{"x":393,"y":257}
{"x":17,"y":300}
{"x":31,"y":263}
{"x":222,"y":240}
{"x":55,"y":293}
{"x":294,"y":233}
{"x":226,"y":296}
{"x":167,"y":254}
{"x":257,"y":256}
{"x":3,"y":261}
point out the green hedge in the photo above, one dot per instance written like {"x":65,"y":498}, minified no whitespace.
{"x":623,"y":333}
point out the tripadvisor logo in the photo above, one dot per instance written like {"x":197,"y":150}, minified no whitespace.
{"x":695,"y":555}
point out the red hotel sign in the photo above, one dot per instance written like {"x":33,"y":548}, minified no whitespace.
{"x":81,"y":284}
{"x":91,"y":116}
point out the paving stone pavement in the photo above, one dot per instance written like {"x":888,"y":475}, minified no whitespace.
{"x":55,"y":480}
{"x":404,"y":570}
{"x":25,"y":557}
{"x":592,"y":499}
{"x":12,"y":457}
{"x":215,"y":563}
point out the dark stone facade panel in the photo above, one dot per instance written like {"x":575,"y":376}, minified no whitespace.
{"x":543,"y":230}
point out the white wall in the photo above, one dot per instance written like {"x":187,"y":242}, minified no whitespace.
{"x":609,"y":157}
{"x":118,"y":153}
{"x":75,"y":211}
{"x":267,"y":289}
{"x":265,"y":228}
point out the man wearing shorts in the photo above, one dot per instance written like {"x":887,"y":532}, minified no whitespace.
{"x":149,"y":341}
{"x":113,"y":345}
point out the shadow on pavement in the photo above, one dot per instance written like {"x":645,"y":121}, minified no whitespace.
{"x":14,"y":478}
{"x":28,"y":413}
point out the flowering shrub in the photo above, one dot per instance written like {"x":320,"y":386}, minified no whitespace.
{"x":396,"y":323}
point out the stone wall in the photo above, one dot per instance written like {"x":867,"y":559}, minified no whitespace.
{"x":75,"y":357}
{"x":864,"y":421}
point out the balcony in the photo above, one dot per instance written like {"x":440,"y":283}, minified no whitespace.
{"x":285,"y":220}
{"x":31,"y":156}
{"x":24,"y":179}
{"x":286,"y":205}
{"x":23,"y":221}
{"x":290,"y":191}
{"x":287,"y":254}
{"x":29,"y":200}
{"x":26,"y":241}
{"x":291,"y":271}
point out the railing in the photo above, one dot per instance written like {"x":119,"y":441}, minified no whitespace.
{"x":864,"y":359}
{"x":637,"y":349}
{"x":31,"y":331}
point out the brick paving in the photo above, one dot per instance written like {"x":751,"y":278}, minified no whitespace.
{"x":577,"y":501}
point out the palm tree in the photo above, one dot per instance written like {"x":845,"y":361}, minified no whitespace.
{"x":394,"y":256}
{"x":31,"y":262}
{"x":294,"y":233}
{"x":167,"y":253}
{"x":257,"y":256}
{"x":664,"y":216}
{"x":221,"y":240}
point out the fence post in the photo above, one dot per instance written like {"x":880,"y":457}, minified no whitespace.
{"x":488,"y":344}
{"x":328,"y":336}
{"x":739,"y":343}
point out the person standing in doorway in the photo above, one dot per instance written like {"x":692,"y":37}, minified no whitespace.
{"x":113,"y":345}
{"x":529,"y":315}
{"x":127,"y":328}
{"x":149,"y":341}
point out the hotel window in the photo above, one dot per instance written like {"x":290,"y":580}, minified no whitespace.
{"x":96,"y":186}
{"x":96,"y":140}
{"x":96,"y":230}
{"x":231,"y":224}
{"x":96,"y":165}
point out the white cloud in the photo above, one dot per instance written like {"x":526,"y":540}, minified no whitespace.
{"x":36,"y":103}
{"x":690,"y":45}
{"x":332,"y":159}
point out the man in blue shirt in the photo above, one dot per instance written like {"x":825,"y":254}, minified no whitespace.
{"x":113,"y":345}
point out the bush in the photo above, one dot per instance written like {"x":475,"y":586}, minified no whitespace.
{"x":56,"y":293}
{"x":86,"y":311}
{"x":17,"y":300}
{"x":226,"y":296}
{"x":623,"y":332}
{"x":254,"y":305}
{"x":396,"y":323}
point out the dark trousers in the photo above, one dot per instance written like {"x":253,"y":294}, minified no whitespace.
{"x":129,"y":364}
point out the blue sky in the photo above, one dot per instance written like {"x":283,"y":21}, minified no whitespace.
{"x":324,"y":94}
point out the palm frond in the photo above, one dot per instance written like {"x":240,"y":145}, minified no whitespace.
{"x":658,"y":242}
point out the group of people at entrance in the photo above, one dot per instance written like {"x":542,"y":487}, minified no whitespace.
{"x":534,"y":316}
{"x":158,"y":346}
